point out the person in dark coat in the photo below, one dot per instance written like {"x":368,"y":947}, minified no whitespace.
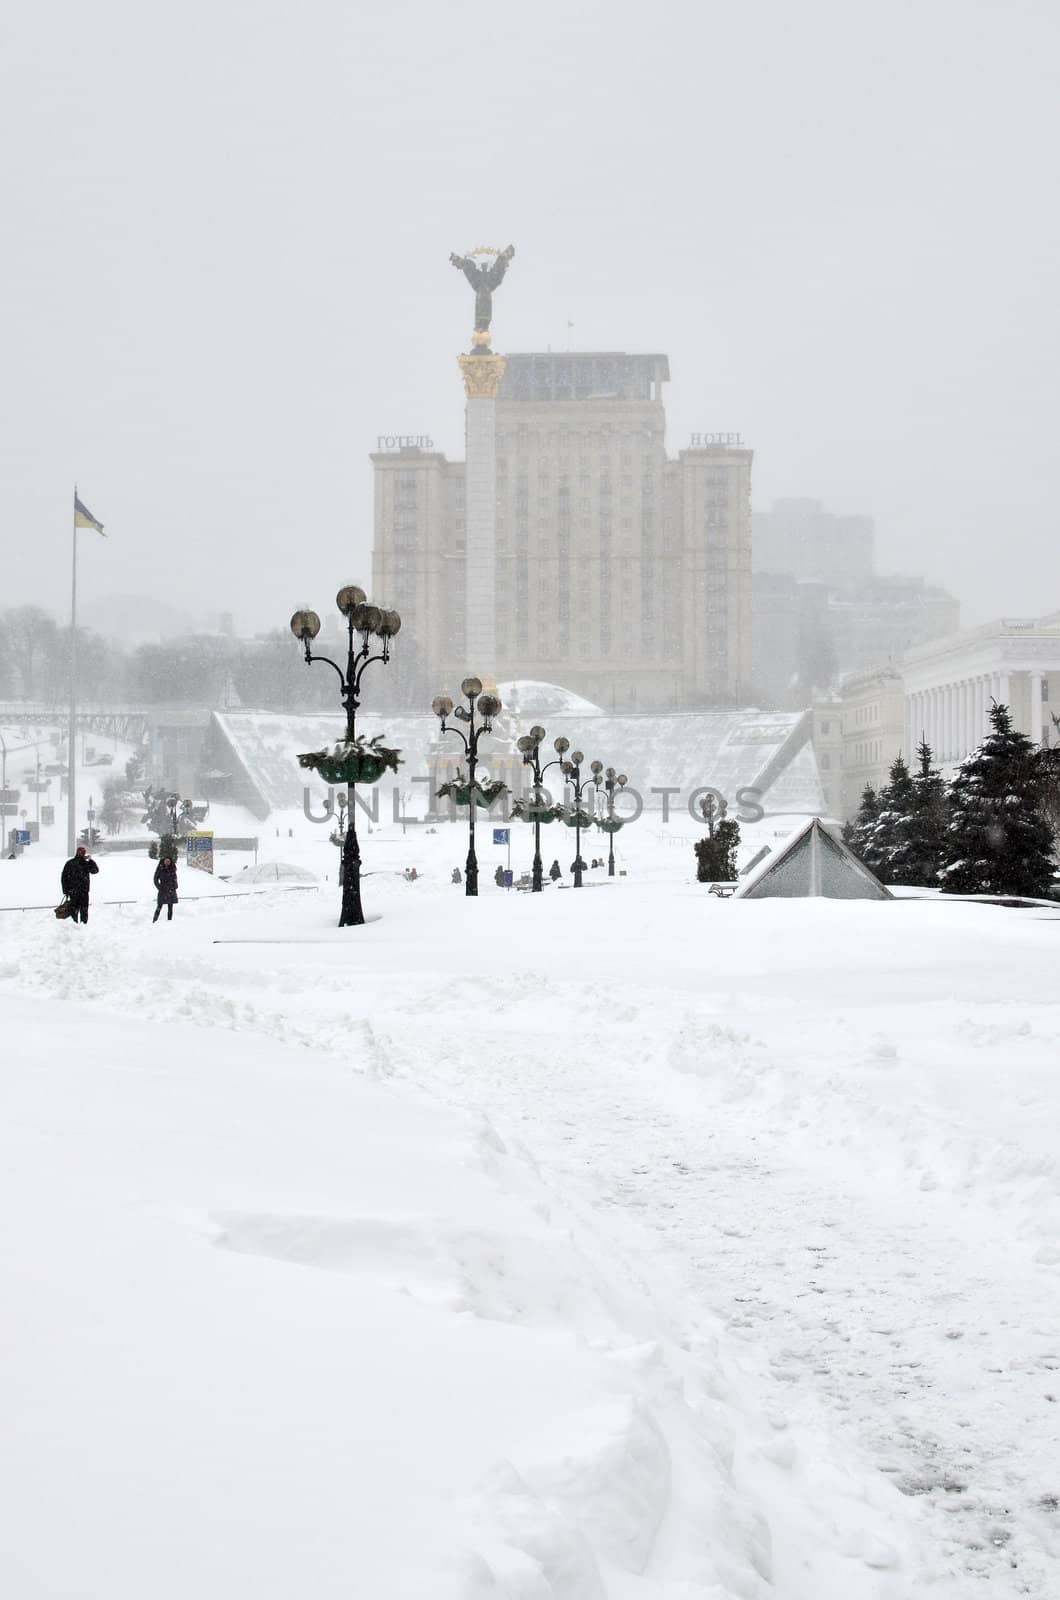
{"x":555,"y":871}
{"x":75,"y":881}
{"x":166,"y":884}
{"x":498,"y":877}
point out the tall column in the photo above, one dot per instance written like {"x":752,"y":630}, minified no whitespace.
{"x":965,"y":741}
{"x":1004,"y":689}
{"x":482,"y":375}
{"x":932,"y":730}
{"x":1035,"y":718}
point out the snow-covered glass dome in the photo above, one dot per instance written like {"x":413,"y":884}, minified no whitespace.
{"x":526,"y":697}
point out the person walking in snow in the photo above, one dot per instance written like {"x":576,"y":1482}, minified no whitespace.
{"x":166,"y":884}
{"x":75,"y":881}
{"x":555,"y":871}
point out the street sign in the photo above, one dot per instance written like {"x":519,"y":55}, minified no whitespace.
{"x":9,"y":810}
{"x":21,"y":836}
{"x":501,"y":835}
{"x":9,"y":797}
{"x":199,"y":847}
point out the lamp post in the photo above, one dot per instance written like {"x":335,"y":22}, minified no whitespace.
{"x":609,"y":783}
{"x":572,"y":771}
{"x":364,"y":623}
{"x":530,"y":745}
{"x":488,"y":706}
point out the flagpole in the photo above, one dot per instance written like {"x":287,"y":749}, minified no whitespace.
{"x":71,"y":781}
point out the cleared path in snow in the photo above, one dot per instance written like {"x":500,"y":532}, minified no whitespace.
{"x":886,"y":1305}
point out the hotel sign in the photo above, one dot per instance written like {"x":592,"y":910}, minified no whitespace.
{"x":404,"y":441}
{"x":696,"y":441}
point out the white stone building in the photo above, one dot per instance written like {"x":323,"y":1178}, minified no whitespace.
{"x":949,"y":684}
{"x":873,"y":719}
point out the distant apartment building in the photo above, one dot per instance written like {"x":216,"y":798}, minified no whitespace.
{"x":802,"y":538}
{"x":885,"y":617}
{"x":620,"y":571}
{"x":827,"y":736}
{"x":792,"y":656}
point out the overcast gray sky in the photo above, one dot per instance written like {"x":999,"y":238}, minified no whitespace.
{"x":224,"y":232}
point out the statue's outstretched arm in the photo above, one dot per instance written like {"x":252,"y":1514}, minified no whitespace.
{"x":457,"y":261}
{"x":500,"y":266}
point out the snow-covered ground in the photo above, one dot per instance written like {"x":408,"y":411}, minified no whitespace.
{"x":625,"y":1243}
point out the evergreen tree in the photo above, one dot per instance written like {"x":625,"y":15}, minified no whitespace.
{"x":920,"y":830}
{"x":716,"y":854}
{"x":879,"y":842}
{"x":999,"y":841}
{"x":855,"y":833}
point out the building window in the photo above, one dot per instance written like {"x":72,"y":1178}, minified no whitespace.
{"x":826,"y":763}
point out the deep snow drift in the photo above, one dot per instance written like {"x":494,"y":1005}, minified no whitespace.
{"x":623,"y":1244}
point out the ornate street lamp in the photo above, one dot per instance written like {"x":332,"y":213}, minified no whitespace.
{"x":538,"y":809}
{"x":355,"y":762}
{"x":610,"y":823}
{"x":579,"y":819}
{"x":488,"y":706}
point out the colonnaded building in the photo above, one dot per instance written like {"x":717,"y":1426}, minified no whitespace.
{"x":569,"y":547}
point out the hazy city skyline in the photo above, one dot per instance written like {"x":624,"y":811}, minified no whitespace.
{"x":224,"y":240}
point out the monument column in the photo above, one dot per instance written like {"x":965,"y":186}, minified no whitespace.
{"x":482,"y":375}
{"x":482,"y":372}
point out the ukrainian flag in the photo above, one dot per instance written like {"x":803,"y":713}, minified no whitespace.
{"x":83,"y":517}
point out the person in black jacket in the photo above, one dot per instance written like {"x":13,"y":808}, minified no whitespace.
{"x":555,"y":871}
{"x":166,"y":884}
{"x":77,"y":875}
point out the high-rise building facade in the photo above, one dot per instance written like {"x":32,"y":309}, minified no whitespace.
{"x":617,"y":571}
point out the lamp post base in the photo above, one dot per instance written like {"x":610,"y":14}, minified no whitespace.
{"x":352,"y":912}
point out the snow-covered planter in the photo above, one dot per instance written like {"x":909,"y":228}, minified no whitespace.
{"x":577,"y":819}
{"x":610,"y":824}
{"x":527,"y":811}
{"x":484,"y":795}
{"x":353,"y":761}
